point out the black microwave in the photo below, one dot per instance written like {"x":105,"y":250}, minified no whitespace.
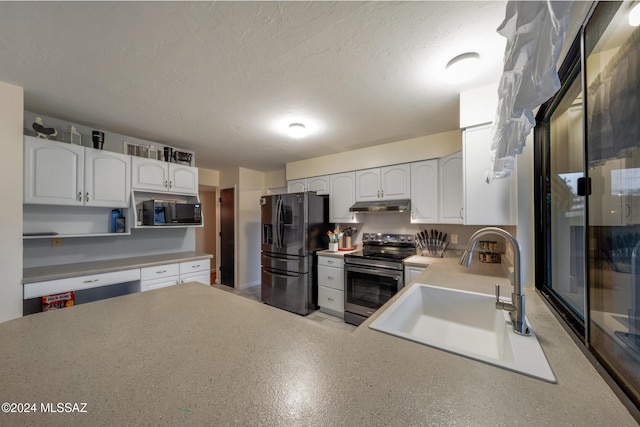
{"x":162,"y":212}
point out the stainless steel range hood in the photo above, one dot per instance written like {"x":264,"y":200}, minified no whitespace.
{"x":403,"y":205}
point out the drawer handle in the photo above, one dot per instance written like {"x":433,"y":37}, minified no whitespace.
{"x":329,"y":278}
{"x":329,"y":262}
{"x":195,"y":266}
{"x":90,"y":281}
{"x":161,"y":271}
{"x":330,"y":299}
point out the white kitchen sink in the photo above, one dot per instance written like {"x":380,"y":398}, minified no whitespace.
{"x":464,"y":323}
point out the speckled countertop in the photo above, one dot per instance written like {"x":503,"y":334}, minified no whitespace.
{"x":197,"y":355}
{"x":63,"y":271}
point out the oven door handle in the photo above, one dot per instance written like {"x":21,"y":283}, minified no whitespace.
{"x":394,"y":274}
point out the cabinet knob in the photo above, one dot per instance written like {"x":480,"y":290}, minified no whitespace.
{"x":170,"y":184}
{"x":461,"y":213}
{"x":166,"y":184}
{"x":87,"y":197}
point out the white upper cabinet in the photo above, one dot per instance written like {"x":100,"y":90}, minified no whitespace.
{"x":342,"y":197}
{"x":149,"y":174}
{"x":492,"y":203}
{"x":57,"y":173}
{"x":155,"y":175}
{"x":53,"y":172}
{"x":107,"y":179}
{"x":386,"y":183}
{"x":424,"y":191}
{"x":319,"y":184}
{"x":451,"y":192}
{"x":183,"y":179}
{"x":297,"y":186}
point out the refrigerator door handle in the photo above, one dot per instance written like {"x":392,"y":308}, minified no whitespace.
{"x":283,"y":276}
{"x":281,"y":224}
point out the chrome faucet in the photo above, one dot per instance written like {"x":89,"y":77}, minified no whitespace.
{"x":516,"y":307}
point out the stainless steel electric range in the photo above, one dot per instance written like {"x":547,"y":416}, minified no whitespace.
{"x":372,"y":276}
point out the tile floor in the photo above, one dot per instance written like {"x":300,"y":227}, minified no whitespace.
{"x":253,"y":293}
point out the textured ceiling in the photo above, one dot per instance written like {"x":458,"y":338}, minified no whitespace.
{"x":219,"y":78}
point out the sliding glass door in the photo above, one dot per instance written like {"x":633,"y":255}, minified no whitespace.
{"x":588,"y":158}
{"x":565,"y":206}
{"x":612,"y":82}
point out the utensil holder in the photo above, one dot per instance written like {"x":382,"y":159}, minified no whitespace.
{"x":435,"y":252}
{"x":333,"y":247}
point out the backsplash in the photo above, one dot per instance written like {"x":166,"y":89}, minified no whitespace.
{"x":400,"y":223}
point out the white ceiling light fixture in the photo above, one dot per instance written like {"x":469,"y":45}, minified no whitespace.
{"x":463,"y":67}
{"x":634,"y":16}
{"x":297,"y":130}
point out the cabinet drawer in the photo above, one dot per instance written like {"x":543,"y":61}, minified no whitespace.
{"x":331,"y":299}
{"x":193,"y":266}
{"x":331,"y":277}
{"x":331,"y":261}
{"x":38,"y":289}
{"x":159,"y":271}
{"x":148,"y":285}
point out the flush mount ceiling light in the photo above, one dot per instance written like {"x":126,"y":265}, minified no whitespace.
{"x":463,"y":67}
{"x":297,"y":130}
{"x":634,"y":16}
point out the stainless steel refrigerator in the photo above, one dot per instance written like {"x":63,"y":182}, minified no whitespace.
{"x":294,"y":228}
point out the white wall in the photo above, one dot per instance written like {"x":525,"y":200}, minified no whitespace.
{"x":11,"y":116}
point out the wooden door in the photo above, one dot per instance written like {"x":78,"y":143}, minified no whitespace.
{"x":227,"y":237}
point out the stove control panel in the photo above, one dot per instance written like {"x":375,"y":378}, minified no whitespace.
{"x":387,"y":238}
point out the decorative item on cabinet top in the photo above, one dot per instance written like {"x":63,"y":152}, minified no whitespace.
{"x":43,"y":131}
{"x":141,"y":150}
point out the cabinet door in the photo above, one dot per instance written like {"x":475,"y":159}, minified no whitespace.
{"x":149,"y":174}
{"x":183,"y":179}
{"x":342,"y":197}
{"x":484,"y":203}
{"x":203,"y":277}
{"x":424,"y":191}
{"x":319,"y":184}
{"x":368,"y":185}
{"x":53,"y":172}
{"x":297,"y":186}
{"x":395,"y":182}
{"x":411,"y":273}
{"x":450,"y":194}
{"x":107,"y":179}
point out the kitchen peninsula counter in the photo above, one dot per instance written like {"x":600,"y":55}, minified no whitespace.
{"x":203,"y":356}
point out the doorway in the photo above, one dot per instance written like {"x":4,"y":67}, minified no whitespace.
{"x":227,"y":237}
{"x":206,"y":236}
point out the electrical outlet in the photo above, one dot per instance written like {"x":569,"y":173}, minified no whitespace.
{"x":56,"y":242}
{"x":454,"y":239}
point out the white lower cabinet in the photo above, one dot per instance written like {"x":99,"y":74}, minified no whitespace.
{"x":411,"y":273}
{"x":159,"y":276}
{"x":331,"y":285}
{"x":164,"y":275}
{"x":196,"y":271}
{"x":78,"y":283}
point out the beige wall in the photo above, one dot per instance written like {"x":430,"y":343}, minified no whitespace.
{"x":410,"y":150}
{"x":275,"y":179}
{"x":11,"y":113}
{"x":248,"y":241}
{"x":209,"y":177}
{"x":206,"y":236}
